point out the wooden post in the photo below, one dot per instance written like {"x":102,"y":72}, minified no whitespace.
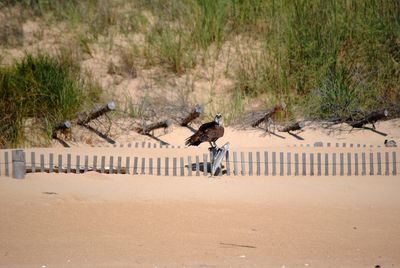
{"x":182,"y":167}
{"x":281,"y":164}
{"x":197,"y":110}
{"x":205,"y":165}
{"x":103,"y":164}
{"x":86,"y":164}
{"x":258,"y":169}
{"x":363,"y":165}
{"x":119,"y":164}
{"x":127,"y":165}
{"x":77,"y":171}
{"x":235,"y":164}
{"x":69,"y":163}
{"x":326,"y":164}
{"x":273,"y":163}
{"x":394,"y":172}
{"x":166,"y":166}
{"x":189,"y":166}
{"x":228,"y":164}
{"x":42,"y":163}
{"x":379,"y":164}
{"x":197,"y":165}
{"x":334,"y":164}
{"x":135,"y":165}
{"x":6,"y":168}
{"x":60,"y":168}
{"x":266,"y":164}
{"x":304,"y":164}
{"x":150,"y":166}
{"x":311,"y":164}
{"x":95,"y":163}
{"x":250,"y":163}
{"x":97,"y":113}
{"x":111,"y":171}
{"x":371,"y":164}
{"x":289,"y":163}
{"x":243,"y":172}
{"x":356,"y":164}
{"x":51,"y":163}
{"x":386,"y":163}
{"x":296,"y":164}
{"x":158,"y":166}
{"x":319,"y":160}
{"x":143,"y":166}
{"x":18,"y":164}
{"x":349,"y":164}
{"x":174,"y":166}
{"x":33,"y":164}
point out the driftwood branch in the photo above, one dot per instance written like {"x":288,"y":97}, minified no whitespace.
{"x":63,"y":126}
{"x":150,"y":127}
{"x":269,"y":114}
{"x":293,"y":127}
{"x":97,"y":113}
{"x":197,"y":110}
{"x":369,"y":119}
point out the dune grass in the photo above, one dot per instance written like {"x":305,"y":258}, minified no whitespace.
{"x":324,"y":59}
{"x":40,"y":89}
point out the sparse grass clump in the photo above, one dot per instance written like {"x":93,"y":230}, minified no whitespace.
{"x":40,"y":89}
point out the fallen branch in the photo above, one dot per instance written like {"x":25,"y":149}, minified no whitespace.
{"x":292,"y":127}
{"x":148,"y":128}
{"x":63,"y":127}
{"x":371,"y":118}
{"x":97,"y":113}
{"x":197,"y":110}
{"x":269,"y":114}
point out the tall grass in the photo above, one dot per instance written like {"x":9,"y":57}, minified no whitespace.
{"x":40,"y":89}
{"x":312,"y":54}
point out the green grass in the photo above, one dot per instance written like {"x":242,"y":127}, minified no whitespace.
{"x":41,"y":89}
{"x":325,"y":59}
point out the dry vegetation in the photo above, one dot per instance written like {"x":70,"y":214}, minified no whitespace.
{"x":159,"y":58}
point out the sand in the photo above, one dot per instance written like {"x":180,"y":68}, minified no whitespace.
{"x":99,"y":220}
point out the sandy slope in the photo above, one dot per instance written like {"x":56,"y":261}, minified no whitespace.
{"x":98,"y":220}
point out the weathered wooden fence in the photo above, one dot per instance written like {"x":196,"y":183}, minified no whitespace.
{"x":299,"y":160}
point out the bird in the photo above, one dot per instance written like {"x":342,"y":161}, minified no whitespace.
{"x":390,"y":143}
{"x":208,"y":132}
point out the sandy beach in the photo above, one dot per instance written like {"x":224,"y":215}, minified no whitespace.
{"x":101,"y":220}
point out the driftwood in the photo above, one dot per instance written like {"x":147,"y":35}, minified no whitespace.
{"x":369,"y":119}
{"x":293,"y":127}
{"x":150,"y":127}
{"x":197,"y":110}
{"x":97,"y":113}
{"x":63,"y":127}
{"x":269,"y":114}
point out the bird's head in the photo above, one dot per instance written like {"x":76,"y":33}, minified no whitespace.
{"x":218,"y":119}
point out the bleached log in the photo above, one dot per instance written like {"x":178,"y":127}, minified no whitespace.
{"x":97,"y":113}
{"x":269,"y":114}
{"x":148,"y":128}
{"x":369,"y":119}
{"x":292,"y":127}
{"x":197,"y":110}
